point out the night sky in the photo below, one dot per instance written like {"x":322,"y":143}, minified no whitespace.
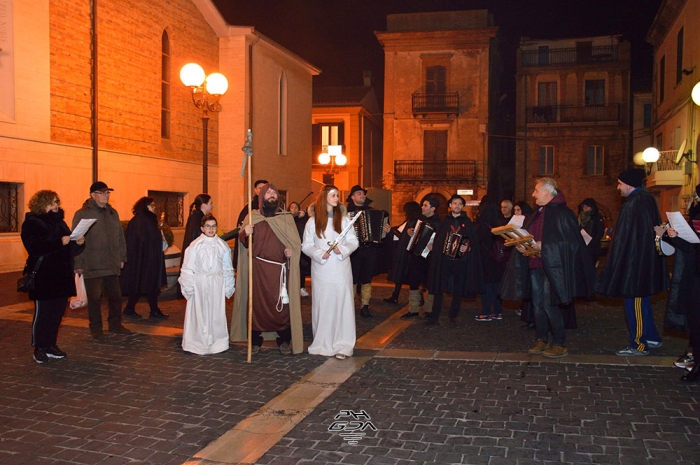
{"x":338,"y":35}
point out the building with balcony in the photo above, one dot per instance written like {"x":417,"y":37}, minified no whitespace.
{"x":573,"y":117}
{"x":438,"y":94}
{"x":675,"y":118}
{"x":351,"y":118}
{"x":123,"y":116}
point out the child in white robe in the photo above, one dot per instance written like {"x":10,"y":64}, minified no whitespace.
{"x":206,"y":280}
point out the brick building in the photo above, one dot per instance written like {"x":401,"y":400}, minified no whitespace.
{"x":573,"y":118}
{"x":145,"y":136}
{"x":437,"y":104}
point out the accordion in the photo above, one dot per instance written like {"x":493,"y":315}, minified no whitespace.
{"x":423,"y":234}
{"x":370,"y":227}
{"x":453,"y":242}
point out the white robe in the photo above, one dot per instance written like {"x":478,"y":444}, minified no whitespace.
{"x":206,"y":279}
{"x":332,"y":299}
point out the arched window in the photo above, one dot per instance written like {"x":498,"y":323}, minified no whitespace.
{"x":282,"y":130}
{"x":165,"y":88}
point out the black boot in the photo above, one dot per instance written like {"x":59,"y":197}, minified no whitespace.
{"x":158,"y":315}
{"x":693,"y":375}
{"x":131,"y":313}
{"x":364,"y":311}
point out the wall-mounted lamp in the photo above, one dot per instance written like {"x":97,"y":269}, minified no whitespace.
{"x":648,"y":157}
{"x":332,"y":159}
{"x":206,"y":92}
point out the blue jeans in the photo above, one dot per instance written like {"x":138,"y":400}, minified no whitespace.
{"x":640,"y":321}
{"x":546,"y":315}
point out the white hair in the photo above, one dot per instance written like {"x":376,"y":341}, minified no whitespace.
{"x":548,"y":184}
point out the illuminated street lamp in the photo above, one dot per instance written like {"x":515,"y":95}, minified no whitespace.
{"x":206,"y":92}
{"x":332,"y":159}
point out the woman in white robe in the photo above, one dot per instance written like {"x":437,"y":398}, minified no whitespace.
{"x":206,"y":280}
{"x":332,"y":299}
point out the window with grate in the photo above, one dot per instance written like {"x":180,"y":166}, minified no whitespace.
{"x":594,"y":159}
{"x":9,"y":203}
{"x":545,"y":162}
{"x":170,"y":203}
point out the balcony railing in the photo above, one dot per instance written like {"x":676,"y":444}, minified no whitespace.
{"x":665,"y":172}
{"x":417,"y":170}
{"x":573,"y":113}
{"x":569,"y":56}
{"x":424,"y":103}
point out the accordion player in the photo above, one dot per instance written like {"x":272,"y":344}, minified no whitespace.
{"x":370,"y":227}
{"x":453,"y":244}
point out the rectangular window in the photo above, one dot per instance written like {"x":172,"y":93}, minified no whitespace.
{"x":662,"y":78}
{"x":170,"y":207}
{"x":679,"y":56}
{"x":545,"y":164}
{"x":435,"y":145}
{"x":647,"y":115}
{"x":323,"y":135}
{"x":659,"y":141}
{"x":546,"y":94}
{"x":594,"y":160}
{"x":165,"y":87}
{"x":9,"y":207}
{"x":595,"y":92}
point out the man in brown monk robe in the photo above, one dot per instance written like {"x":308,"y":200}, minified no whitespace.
{"x":275,"y":254}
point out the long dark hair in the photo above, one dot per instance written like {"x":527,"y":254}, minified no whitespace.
{"x":198,"y":201}
{"x":141,"y":205}
{"x":322,"y":212}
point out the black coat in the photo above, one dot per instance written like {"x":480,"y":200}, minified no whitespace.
{"x":680,"y":294}
{"x":472,"y":260}
{"x":42,"y":235}
{"x":144,"y":270}
{"x":633,"y":267}
{"x":401,"y":257}
{"x":565,"y":259}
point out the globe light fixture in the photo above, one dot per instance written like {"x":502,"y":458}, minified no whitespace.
{"x":650,"y":155}
{"x":206,"y":92}
{"x":332,"y":159}
{"x":695,"y":94}
{"x":638,"y":159}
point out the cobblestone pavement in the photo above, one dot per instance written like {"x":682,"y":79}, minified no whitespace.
{"x":138,"y":399}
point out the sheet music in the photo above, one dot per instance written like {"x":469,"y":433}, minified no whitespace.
{"x":82,"y":228}
{"x":426,"y":251}
{"x":685,"y":232}
{"x":586,"y":237}
{"x":517,"y":221}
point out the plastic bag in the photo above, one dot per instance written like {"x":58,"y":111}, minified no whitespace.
{"x":80,"y":299}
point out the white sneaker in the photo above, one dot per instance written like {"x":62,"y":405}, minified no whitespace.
{"x":303,"y":292}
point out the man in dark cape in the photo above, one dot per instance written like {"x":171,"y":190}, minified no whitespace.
{"x":634,"y":270}
{"x":562,"y":272}
{"x":464,"y":271}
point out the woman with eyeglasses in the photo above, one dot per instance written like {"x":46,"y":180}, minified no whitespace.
{"x":46,"y":237}
{"x":144,"y":270}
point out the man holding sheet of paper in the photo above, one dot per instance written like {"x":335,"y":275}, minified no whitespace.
{"x":634,"y":270}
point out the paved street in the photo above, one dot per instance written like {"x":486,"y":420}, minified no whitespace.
{"x":411,"y":394}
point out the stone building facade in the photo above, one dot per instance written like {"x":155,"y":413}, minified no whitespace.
{"x":573,"y":118}
{"x":437,"y":101}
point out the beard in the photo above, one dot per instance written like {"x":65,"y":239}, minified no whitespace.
{"x":271,"y":204}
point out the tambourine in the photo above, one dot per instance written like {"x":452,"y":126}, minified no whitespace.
{"x":663,"y":248}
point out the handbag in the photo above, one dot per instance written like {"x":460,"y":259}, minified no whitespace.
{"x":27,"y":282}
{"x":79,"y":300}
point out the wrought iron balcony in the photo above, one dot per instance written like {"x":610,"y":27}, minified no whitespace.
{"x":418,"y":170}
{"x":572,"y":113}
{"x":569,"y":56}
{"x":665,"y":172}
{"x":429,"y":103}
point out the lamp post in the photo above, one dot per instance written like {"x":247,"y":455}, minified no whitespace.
{"x":206,"y":92}
{"x":332,"y":159}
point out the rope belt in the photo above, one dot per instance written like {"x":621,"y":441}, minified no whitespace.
{"x":283,"y":296}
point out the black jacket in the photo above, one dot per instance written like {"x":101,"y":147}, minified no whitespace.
{"x":633,"y":267}
{"x":565,"y":260}
{"x":594,"y":225}
{"x":42,"y":235}
{"x":463,"y":225}
{"x":144,"y":270}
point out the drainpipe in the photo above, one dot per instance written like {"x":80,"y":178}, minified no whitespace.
{"x":93,"y":110}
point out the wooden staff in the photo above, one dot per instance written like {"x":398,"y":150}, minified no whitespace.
{"x":248,"y":150}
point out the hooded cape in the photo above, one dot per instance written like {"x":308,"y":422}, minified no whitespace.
{"x":286,"y":231}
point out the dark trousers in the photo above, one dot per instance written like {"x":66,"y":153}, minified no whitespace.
{"x":152,"y":299}
{"x":364,"y":261}
{"x":640,"y":321}
{"x":457,"y":269}
{"x":490,"y":302}
{"x":47,"y":318}
{"x":94,"y":288}
{"x":284,"y":335}
{"x":545,"y":312}
{"x":417,"y":272}
{"x":694,"y":316}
